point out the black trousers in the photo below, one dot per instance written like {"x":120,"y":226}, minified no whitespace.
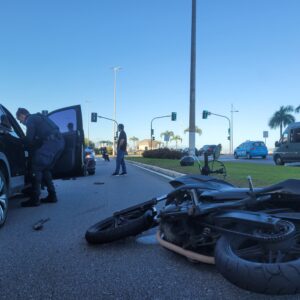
{"x":43,"y":161}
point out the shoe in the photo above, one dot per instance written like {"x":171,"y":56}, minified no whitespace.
{"x":51,"y":198}
{"x":115,"y":174}
{"x":123,"y":173}
{"x":30,"y":203}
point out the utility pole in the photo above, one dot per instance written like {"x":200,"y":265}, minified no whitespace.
{"x":231,"y":130}
{"x":115,"y":69}
{"x":88,"y":120}
{"x":192,"y":123}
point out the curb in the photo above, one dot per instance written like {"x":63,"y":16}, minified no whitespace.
{"x":166,"y":172}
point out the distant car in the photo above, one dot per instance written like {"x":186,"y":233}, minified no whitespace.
{"x":251,"y":149}
{"x":89,"y":161}
{"x":209,"y":149}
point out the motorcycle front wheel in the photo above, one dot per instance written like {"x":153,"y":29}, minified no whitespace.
{"x":260,"y":267}
{"x":121,"y":226}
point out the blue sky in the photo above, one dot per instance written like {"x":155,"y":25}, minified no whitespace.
{"x":60,"y":53}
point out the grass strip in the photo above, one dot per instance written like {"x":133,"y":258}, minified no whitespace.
{"x":262,"y":174}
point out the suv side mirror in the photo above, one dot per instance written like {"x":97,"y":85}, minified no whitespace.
{"x":277,"y":144}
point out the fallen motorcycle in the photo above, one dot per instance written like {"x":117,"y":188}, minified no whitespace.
{"x":251,"y":234}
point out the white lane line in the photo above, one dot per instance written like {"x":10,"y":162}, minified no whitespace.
{"x":157,"y":173}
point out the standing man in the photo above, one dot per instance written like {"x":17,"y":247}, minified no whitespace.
{"x":46,"y":144}
{"x":121,"y":150}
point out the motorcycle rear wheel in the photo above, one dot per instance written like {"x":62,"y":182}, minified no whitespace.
{"x":118,"y":227}
{"x":260,"y":267}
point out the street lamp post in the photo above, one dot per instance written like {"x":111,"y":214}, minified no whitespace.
{"x":231,"y":130}
{"x":115,"y":69}
{"x":88,"y":120}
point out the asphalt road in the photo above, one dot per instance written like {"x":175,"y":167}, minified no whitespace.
{"x":57,"y":263}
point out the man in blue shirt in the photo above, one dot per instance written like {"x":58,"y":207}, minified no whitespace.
{"x":121,"y":151}
{"x":46,"y":144}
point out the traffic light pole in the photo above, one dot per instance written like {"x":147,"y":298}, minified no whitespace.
{"x":100,"y":117}
{"x":94,"y":117}
{"x":229,"y":131}
{"x":152,"y":128}
{"x":116,"y":133}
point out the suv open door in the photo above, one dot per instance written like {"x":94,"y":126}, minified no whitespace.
{"x":69,"y":121}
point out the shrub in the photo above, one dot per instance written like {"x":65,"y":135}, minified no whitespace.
{"x":163,"y":153}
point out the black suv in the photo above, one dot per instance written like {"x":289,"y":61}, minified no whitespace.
{"x":14,"y":166}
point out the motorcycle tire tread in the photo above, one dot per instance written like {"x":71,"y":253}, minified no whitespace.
{"x":131,"y":228}
{"x":273,"y":279}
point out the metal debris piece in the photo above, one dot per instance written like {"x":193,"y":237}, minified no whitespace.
{"x":39,"y":224}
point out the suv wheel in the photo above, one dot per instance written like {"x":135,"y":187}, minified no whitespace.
{"x":278,"y":160}
{"x":3,"y":199}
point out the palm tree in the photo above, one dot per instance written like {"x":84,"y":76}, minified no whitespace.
{"x":197,"y":130}
{"x":176,"y":138}
{"x":134,"y":140}
{"x":297,"y":109}
{"x":167,"y":134}
{"x":282,"y":117}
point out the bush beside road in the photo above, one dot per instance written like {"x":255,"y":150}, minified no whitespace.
{"x":237,"y":173}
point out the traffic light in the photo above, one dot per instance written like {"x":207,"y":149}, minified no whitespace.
{"x":94,"y":117}
{"x":173,"y":116}
{"x":153,"y":138}
{"x":205,"y":113}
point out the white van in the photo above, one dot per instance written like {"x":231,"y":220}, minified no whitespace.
{"x":288,"y":147}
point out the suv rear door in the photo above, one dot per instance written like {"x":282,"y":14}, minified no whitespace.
{"x":69,"y":121}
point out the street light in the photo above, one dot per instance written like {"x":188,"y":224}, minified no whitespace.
{"x":88,"y":120}
{"x":115,"y":69}
{"x":206,"y":113}
{"x":231,"y":130}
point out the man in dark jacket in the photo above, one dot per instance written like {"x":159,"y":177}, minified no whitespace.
{"x":121,"y":151}
{"x":46,"y":144}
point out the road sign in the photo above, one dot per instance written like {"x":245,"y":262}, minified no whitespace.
{"x":265,"y":134}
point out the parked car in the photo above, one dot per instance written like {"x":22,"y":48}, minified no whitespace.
{"x":251,"y":149}
{"x":209,"y":149}
{"x":89,"y":161}
{"x":14,"y":164}
{"x":288,"y":147}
